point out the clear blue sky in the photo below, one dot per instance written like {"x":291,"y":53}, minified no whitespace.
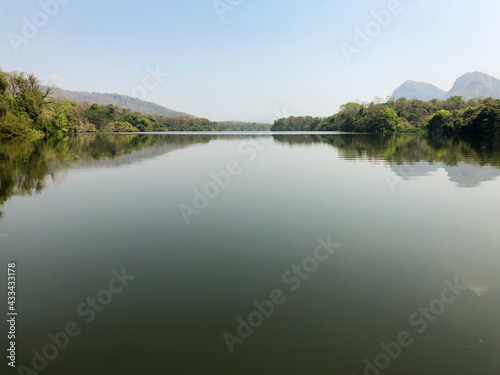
{"x":264,"y":60}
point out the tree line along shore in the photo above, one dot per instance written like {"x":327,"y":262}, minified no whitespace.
{"x":28,"y":110}
{"x":453,"y":116}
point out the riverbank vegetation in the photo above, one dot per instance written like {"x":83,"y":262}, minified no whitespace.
{"x":27,"y":110}
{"x":237,"y":126}
{"x":453,"y":116}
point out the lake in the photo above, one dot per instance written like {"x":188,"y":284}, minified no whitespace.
{"x":252,"y":253}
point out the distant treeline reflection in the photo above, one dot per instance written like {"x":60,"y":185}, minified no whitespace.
{"x":27,"y":165}
{"x":406,"y":148}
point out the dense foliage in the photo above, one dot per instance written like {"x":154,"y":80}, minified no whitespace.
{"x":235,"y":126}
{"x":26,"y":109}
{"x":453,"y":116}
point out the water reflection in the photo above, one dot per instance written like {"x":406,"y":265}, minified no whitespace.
{"x":121,"y":209}
{"x":27,"y":166}
{"x":467,"y":162}
{"x":400,"y":149}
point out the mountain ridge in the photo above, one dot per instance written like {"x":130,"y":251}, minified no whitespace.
{"x":477,"y":84}
{"x":124,"y":101}
{"x":469,"y":86}
{"x":421,"y":90}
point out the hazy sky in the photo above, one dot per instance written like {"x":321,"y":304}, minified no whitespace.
{"x":258,"y":61}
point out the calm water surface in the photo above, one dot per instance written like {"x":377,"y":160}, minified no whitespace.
{"x":409,"y":216}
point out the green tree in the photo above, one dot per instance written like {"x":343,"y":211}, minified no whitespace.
{"x":349,"y":113}
{"x":55,"y":126}
{"x":97,"y":117}
{"x":441,"y":123}
{"x":27,"y":95}
{"x":122,"y":126}
{"x":484,"y":120}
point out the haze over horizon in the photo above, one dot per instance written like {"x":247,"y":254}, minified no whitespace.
{"x":257,"y":61}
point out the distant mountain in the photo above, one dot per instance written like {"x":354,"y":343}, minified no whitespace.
{"x":419,"y":90}
{"x":135,"y":105}
{"x":474,"y":85}
{"x":470,"y":85}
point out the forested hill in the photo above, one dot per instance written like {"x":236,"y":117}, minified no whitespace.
{"x":124,"y":101}
{"x":29,"y":109}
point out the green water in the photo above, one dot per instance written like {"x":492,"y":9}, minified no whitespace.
{"x":405,"y":216}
